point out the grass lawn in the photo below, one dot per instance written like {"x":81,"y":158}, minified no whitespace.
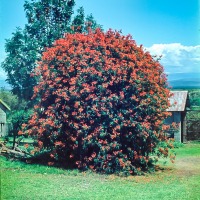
{"x":179,"y":181}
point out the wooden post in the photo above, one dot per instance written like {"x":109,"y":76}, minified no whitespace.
{"x":184,"y":127}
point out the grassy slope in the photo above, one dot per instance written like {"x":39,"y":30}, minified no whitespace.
{"x":22,"y":181}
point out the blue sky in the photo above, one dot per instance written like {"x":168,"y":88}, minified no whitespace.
{"x":149,"y":21}
{"x":167,"y":27}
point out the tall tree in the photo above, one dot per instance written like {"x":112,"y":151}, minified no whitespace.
{"x":19,"y":63}
{"x":48,"y":20}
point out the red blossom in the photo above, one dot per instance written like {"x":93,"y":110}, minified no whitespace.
{"x":102,"y":97}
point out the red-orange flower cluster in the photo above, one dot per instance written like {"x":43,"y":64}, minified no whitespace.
{"x":102,"y":101}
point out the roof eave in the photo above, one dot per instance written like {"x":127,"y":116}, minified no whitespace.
{"x":5,"y":105}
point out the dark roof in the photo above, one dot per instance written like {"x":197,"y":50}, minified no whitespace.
{"x":178,"y":101}
{"x":4,"y":104}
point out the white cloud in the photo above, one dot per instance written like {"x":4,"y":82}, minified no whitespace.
{"x":177,"y":58}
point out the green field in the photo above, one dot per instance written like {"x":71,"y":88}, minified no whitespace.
{"x":179,"y":181}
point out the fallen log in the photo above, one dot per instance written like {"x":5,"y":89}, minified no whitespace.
{"x":16,"y":152}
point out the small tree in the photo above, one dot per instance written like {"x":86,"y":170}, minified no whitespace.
{"x":102,"y":102}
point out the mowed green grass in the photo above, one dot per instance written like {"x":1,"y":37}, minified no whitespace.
{"x":179,"y":181}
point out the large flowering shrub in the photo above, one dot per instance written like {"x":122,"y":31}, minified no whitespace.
{"x":102,"y":102}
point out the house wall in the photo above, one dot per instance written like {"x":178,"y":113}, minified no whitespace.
{"x":3,"y":125}
{"x":176,"y":117}
{"x":2,"y":113}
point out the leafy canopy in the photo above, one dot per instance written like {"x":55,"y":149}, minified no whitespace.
{"x":47,"y":20}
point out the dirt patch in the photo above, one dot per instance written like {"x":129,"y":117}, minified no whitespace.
{"x":188,"y":166}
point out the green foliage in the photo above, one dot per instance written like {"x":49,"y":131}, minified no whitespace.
{"x":81,"y":24}
{"x":10,"y":99}
{"x":18,"y":108}
{"x":194,"y":98}
{"x":178,"y":144}
{"x":19,"y":63}
{"x":90,"y":23}
{"x":18,"y":118}
{"x":47,"y":20}
{"x":102,"y":102}
{"x":78,"y":21}
{"x":193,"y":115}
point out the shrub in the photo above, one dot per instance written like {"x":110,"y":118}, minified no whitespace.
{"x":17,"y":118}
{"x":102,"y":102}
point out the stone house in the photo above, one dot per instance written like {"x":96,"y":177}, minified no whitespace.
{"x":179,"y":102}
{"x":3,"y":123}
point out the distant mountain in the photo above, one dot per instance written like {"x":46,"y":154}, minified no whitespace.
{"x":184,"y":80}
{"x":185,"y":83}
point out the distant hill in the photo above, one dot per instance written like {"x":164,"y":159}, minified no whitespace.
{"x":184,"y":80}
{"x":185,"y":83}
